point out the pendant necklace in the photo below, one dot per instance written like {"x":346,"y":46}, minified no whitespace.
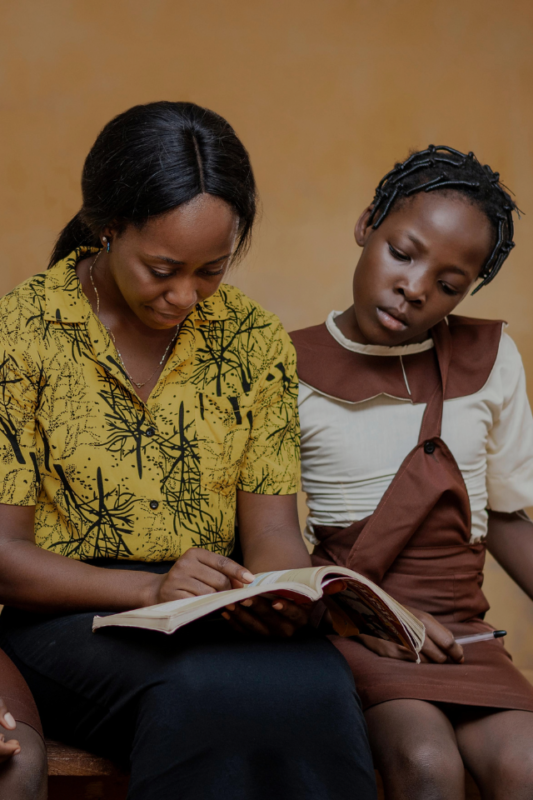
{"x":112,"y":335}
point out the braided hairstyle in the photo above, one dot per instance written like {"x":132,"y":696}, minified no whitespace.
{"x":445,"y":169}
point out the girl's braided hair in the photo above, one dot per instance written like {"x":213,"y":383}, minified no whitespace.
{"x":441,"y":168}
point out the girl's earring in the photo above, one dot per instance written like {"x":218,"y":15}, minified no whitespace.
{"x":107,"y":243}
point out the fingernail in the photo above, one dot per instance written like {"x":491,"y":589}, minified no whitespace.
{"x":226,"y":615}
{"x":247,"y":576}
{"x":16,"y":752}
{"x":231,"y":607}
{"x":278,"y":606}
{"x":247,"y":603}
{"x":10,"y":720}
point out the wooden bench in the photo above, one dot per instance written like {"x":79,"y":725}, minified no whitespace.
{"x":74,"y":773}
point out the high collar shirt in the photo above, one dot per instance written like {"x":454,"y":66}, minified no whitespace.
{"x":114,"y":477}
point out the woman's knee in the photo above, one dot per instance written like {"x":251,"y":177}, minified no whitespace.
{"x":24,"y":777}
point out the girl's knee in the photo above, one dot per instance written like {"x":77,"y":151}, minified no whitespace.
{"x":430,"y":771}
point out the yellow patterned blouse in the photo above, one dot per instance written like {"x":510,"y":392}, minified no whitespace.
{"x":113,"y":477}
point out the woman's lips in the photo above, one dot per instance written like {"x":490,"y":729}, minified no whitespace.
{"x":390,"y":322}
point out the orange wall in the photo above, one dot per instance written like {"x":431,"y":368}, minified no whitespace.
{"x":326,"y":94}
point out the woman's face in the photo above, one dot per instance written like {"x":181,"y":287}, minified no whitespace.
{"x":416,"y":266}
{"x":174,"y":261}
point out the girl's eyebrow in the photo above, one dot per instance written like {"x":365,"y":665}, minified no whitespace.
{"x":183,"y":263}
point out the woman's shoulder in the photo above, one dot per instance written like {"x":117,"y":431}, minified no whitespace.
{"x":22,"y":309}
{"x":245,"y":315}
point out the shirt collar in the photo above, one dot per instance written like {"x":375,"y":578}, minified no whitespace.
{"x":65,"y":300}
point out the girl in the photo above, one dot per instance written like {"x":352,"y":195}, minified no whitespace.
{"x":142,"y":406}
{"x":414,"y":422}
{"x":22,"y":759}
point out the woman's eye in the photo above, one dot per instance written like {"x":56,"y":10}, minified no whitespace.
{"x":448,"y":289}
{"x":209,"y":274}
{"x":157,"y":274}
{"x":397,"y":255}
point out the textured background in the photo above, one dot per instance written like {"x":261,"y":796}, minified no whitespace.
{"x":326,"y":95}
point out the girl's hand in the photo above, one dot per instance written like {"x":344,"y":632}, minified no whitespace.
{"x":11,"y":747}
{"x":198,"y":572}
{"x":439,"y":645}
{"x":260,"y":616}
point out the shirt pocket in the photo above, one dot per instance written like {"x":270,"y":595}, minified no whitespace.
{"x":223,"y":427}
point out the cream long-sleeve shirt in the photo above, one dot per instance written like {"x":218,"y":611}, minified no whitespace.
{"x":352,"y":451}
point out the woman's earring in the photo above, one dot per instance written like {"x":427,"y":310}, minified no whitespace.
{"x":107,"y":243}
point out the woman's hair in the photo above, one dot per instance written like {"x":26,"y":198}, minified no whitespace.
{"x":444,"y":169}
{"x":156,"y":157}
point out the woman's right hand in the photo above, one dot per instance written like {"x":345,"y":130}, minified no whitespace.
{"x":439,"y":645}
{"x":198,"y":572}
{"x":11,"y":747}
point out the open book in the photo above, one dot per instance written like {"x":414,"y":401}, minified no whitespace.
{"x":362,"y":607}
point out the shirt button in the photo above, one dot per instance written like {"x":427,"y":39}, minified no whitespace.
{"x":429,"y":447}
{"x":150,"y":431}
{"x":154,"y":504}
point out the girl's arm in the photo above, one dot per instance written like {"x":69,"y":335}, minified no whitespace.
{"x":510,"y":541}
{"x":38,"y":580}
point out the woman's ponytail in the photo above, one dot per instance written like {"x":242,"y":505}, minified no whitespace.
{"x":75,"y":234}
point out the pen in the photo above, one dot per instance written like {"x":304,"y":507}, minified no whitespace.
{"x":480,"y":637}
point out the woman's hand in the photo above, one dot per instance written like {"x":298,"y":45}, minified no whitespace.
{"x":439,"y":645}
{"x":11,"y":747}
{"x":198,"y":572}
{"x":261,"y":616}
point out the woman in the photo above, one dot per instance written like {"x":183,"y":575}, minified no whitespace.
{"x":143,"y":406}
{"x":414,"y":421}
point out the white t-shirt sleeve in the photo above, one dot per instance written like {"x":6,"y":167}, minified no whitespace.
{"x":510,"y":440}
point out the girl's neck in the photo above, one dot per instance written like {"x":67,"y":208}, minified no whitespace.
{"x":347,"y":324}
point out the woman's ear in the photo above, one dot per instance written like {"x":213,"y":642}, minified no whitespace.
{"x":362,"y":228}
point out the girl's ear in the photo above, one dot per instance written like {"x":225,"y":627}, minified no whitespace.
{"x":362,"y":228}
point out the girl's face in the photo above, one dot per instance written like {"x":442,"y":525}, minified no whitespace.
{"x":416,"y":267}
{"x":174,"y":261}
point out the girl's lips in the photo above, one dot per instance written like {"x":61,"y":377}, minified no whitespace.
{"x":390,"y":322}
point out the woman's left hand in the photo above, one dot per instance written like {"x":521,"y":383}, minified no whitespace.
{"x":260,"y":616}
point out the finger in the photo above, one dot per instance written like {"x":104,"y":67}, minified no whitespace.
{"x":225,"y":565}
{"x":217,"y":581}
{"x":433,"y":652}
{"x":10,"y":748}
{"x":386,"y":649}
{"x":251,"y":622}
{"x":298,"y":615}
{"x":437,"y":636}
{"x":335,"y":586}
{"x":276,"y":624}
{"x":233,"y":622}
{"x":6,"y":719}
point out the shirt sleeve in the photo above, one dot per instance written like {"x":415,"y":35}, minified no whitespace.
{"x":510,"y":441}
{"x":271,"y":464}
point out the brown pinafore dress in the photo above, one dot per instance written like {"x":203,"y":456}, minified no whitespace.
{"x":416,"y":543}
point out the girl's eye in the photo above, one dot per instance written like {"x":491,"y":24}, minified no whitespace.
{"x":448,"y":289}
{"x":397,"y":255}
{"x":157,"y":274}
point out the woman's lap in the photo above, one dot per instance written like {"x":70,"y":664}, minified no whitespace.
{"x":283,"y":715}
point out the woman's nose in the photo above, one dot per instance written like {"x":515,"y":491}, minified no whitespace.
{"x":182,"y":294}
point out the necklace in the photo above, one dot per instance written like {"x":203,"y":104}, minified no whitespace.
{"x":112,"y":335}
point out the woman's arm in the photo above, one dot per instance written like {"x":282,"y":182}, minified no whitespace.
{"x":510,"y":541}
{"x":38,"y":580}
{"x":269,"y":532}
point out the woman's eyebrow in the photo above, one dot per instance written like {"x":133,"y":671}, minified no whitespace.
{"x":183,"y":263}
